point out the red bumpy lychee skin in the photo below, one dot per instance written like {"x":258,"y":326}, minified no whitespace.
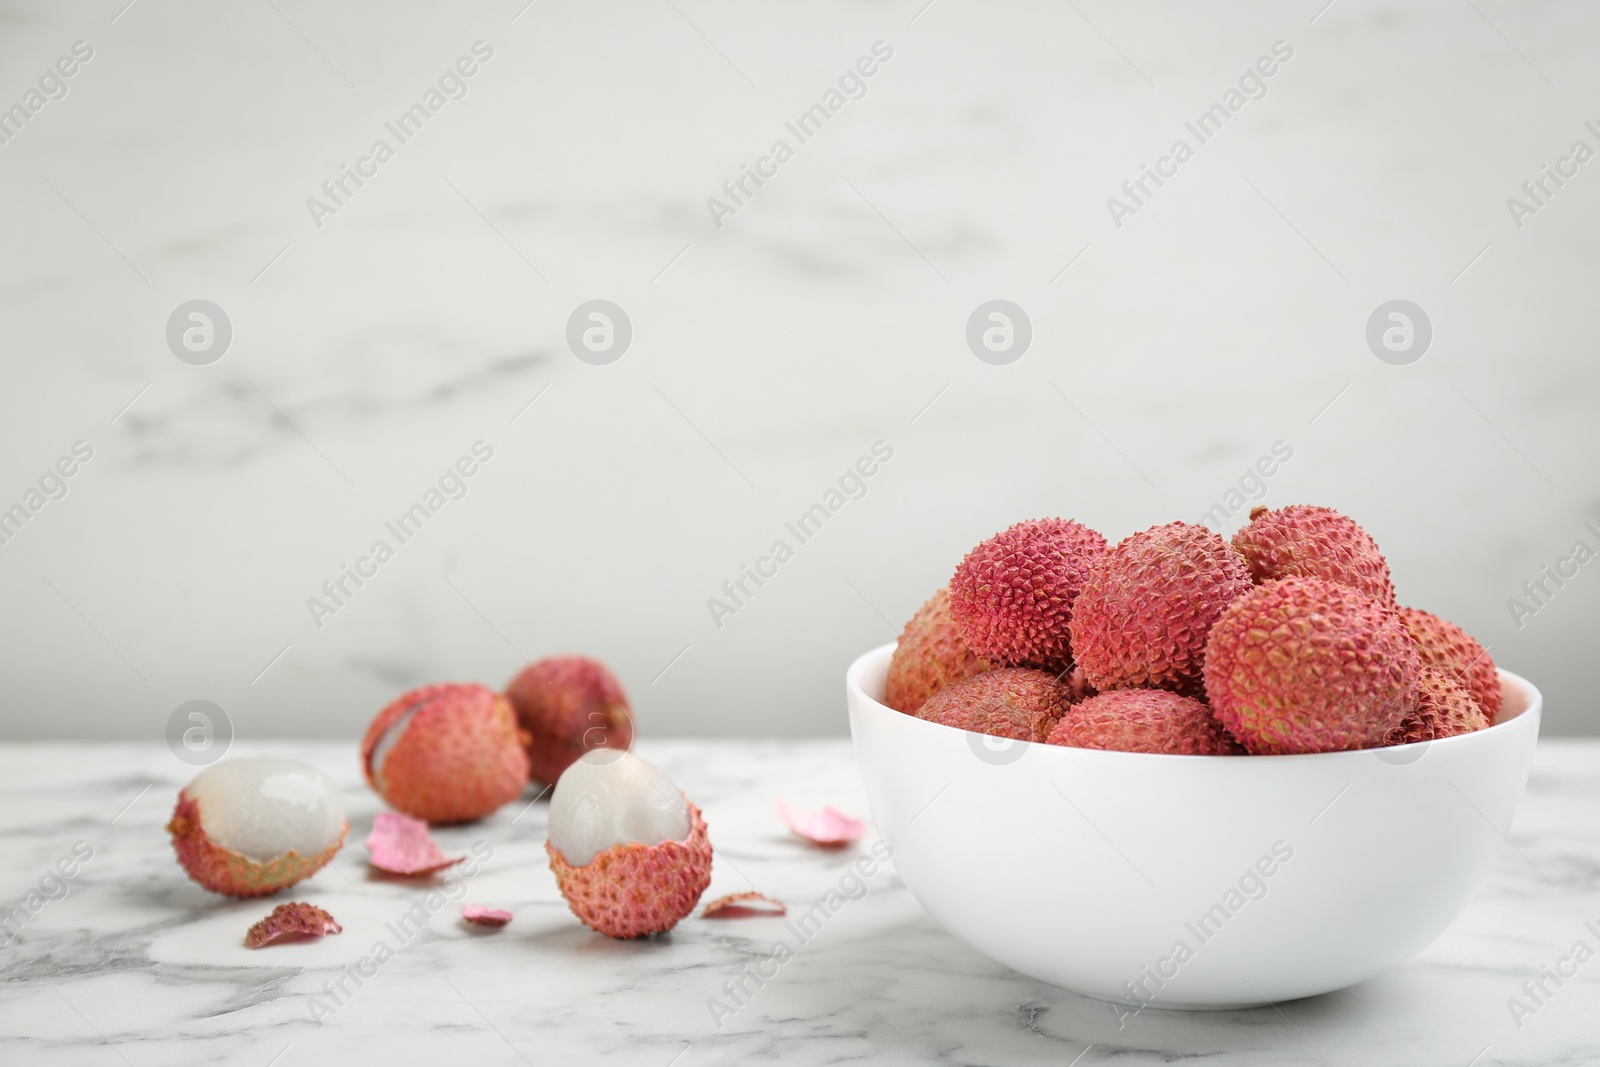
{"x":1012,"y":595}
{"x":459,"y":758}
{"x":634,"y":890}
{"x":222,"y":870}
{"x":1450,"y":648}
{"x":1145,"y":720}
{"x":930,"y":655}
{"x":1440,"y":708}
{"x":1308,"y":665}
{"x":1010,"y":702}
{"x":1148,"y":605}
{"x":568,"y":705}
{"x":1302,"y":541}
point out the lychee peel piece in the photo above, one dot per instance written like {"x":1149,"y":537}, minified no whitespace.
{"x":222,"y":870}
{"x":1145,"y":720}
{"x":1304,"y":541}
{"x":458,"y":758}
{"x":1012,"y":702}
{"x":399,"y":844}
{"x":1440,"y":708}
{"x":931,"y":654}
{"x":567,"y":705}
{"x":1309,"y":665}
{"x":1012,"y":595}
{"x":479,"y":915}
{"x":633,"y":890}
{"x":291,"y":920}
{"x":744,"y":906}
{"x":1148,"y":605}
{"x":1445,"y":645}
{"x":828,"y":827}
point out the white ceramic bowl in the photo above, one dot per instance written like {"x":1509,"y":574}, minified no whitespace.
{"x":1189,"y":881}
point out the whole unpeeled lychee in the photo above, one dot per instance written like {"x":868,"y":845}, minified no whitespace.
{"x":1302,"y":541}
{"x":1440,"y":708}
{"x":1309,"y":665}
{"x":1450,"y":648}
{"x":1012,"y":595}
{"x":1148,"y":605}
{"x":446,"y":753}
{"x":1145,"y":720}
{"x":1010,"y":702}
{"x":629,"y":851}
{"x":250,"y":827}
{"x":930,"y":655}
{"x":569,"y":705}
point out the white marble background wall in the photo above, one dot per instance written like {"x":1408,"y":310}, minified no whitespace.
{"x":1226,"y":315}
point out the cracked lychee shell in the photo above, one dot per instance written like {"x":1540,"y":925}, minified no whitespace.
{"x":1012,"y":595}
{"x":1012,"y":702}
{"x":568,"y":705}
{"x":1309,"y":665}
{"x":1448,"y":647}
{"x":1145,"y":720}
{"x":446,"y":753}
{"x":1304,"y":541}
{"x":1148,"y":605}
{"x":931,"y":654}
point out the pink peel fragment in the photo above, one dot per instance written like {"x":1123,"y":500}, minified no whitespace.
{"x":288,"y":920}
{"x":400,"y":844}
{"x":477,"y":913}
{"x":744,"y":905}
{"x":828,"y":827}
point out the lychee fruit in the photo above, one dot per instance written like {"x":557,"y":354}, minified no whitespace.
{"x":1309,"y":665}
{"x":1012,"y":702}
{"x":1441,"y":707}
{"x":1148,"y":605}
{"x":1145,"y":720}
{"x":1302,"y":541}
{"x":446,"y":753}
{"x":1012,"y":595}
{"x":568,"y":705}
{"x":930,"y":655}
{"x":629,"y":851}
{"x":1450,"y":648}
{"x":250,"y":827}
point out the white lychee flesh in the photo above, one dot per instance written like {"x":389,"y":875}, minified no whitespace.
{"x":262,"y":808}
{"x":610,"y":797}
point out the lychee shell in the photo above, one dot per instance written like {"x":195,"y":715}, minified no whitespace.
{"x":930,"y":655}
{"x":1441,"y":708}
{"x":1144,"y":720}
{"x":460,"y":757}
{"x":1148,"y":605}
{"x":1309,"y":665}
{"x":1447,"y":646}
{"x":222,"y":870}
{"x":568,"y":705}
{"x":634,"y":890}
{"x":1304,"y":541}
{"x":1009,"y":702}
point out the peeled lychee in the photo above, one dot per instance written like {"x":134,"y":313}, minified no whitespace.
{"x":250,"y":827}
{"x":931,"y":654}
{"x":1450,"y":648}
{"x":1010,"y":702}
{"x":1302,"y":541}
{"x":1012,"y":595}
{"x":569,"y":705}
{"x":1309,"y":665}
{"x":629,"y":851}
{"x":1145,"y":720}
{"x":1148,"y":605}
{"x":1441,"y":708}
{"x":446,"y":753}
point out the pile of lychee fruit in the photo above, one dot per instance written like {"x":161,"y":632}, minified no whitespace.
{"x":1286,"y":640}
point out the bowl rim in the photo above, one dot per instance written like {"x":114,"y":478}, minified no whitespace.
{"x":1531,"y":713}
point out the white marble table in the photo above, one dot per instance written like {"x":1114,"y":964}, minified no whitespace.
{"x":136,"y":965}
